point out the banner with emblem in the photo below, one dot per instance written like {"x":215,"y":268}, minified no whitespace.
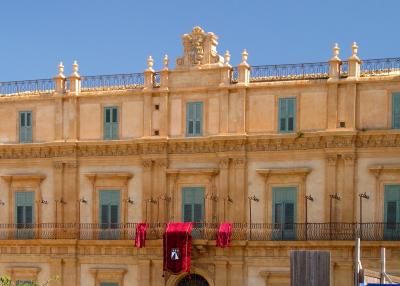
{"x":177,"y":244}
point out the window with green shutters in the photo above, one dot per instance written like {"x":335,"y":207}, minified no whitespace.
{"x":193,"y":204}
{"x":25,"y":127}
{"x":111,"y":129}
{"x":396,"y":110}
{"x":284,"y":212}
{"x":109,"y":213}
{"x":24,"y":214}
{"x":108,"y":284}
{"x":24,"y":283}
{"x":287,"y":114}
{"x":194,"y":119}
{"x":392,"y":211}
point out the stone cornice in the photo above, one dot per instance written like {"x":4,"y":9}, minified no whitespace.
{"x":125,"y":176}
{"x":284,"y":171}
{"x":378,"y":170}
{"x":23,"y":177}
{"x":194,"y":171}
{"x":229,"y":144}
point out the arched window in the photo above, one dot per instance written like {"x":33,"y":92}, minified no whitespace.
{"x":193,"y":280}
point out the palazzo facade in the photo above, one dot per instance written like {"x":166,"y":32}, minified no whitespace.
{"x":287,"y":153}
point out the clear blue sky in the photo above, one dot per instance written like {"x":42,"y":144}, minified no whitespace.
{"x":116,"y":36}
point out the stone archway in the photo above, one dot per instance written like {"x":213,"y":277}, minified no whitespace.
{"x":175,"y":280}
{"x":192,"y":280}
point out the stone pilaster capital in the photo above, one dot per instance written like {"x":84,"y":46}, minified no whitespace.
{"x":239,"y":163}
{"x":147,"y":164}
{"x":331,"y":159}
{"x":57,"y":165}
{"x":224,"y":163}
{"x":349,"y":158}
{"x":72,"y":165}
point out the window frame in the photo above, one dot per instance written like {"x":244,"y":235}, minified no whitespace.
{"x":20,"y":128}
{"x":286,"y":100}
{"x":117,"y":134}
{"x":196,"y":119}
{"x":395,"y":110}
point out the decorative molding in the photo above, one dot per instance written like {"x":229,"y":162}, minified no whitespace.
{"x":224,"y":163}
{"x":284,"y":172}
{"x":212,"y":144}
{"x":194,"y":171}
{"x":37,"y":178}
{"x":125,"y":176}
{"x":23,"y":273}
{"x":147,"y":164}
{"x":111,"y":275}
{"x":378,"y":170}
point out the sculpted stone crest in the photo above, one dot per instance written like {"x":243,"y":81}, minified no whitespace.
{"x":200,"y":50}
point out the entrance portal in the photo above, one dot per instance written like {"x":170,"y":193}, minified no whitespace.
{"x":193,"y":280}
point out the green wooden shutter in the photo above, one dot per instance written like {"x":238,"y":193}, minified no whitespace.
{"x":282,"y":114}
{"x":109,"y":215}
{"x":396,"y":110}
{"x":284,"y":204}
{"x":190,"y":119}
{"x":25,"y":127}
{"x":193,"y":204}
{"x":108,"y":284}
{"x":114,"y":125}
{"x":194,"y":119}
{"x":24,"y":207}
{"x":392,"y":203}
{"x":107,"y":124}
{"x":291,"y":114}
{"x":198,"y":118}
{"x":287,"y":114}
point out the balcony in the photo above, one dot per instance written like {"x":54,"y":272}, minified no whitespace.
{"x":207,"y":231}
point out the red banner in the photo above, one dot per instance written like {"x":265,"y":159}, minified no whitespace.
{"x":224,"y":234}
{"x":140,"y":236}
{"x":177,"y":247}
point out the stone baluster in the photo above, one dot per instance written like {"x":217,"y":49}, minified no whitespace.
{"x":75,"y":80}
{"x":354,"y":62}
{"x":60,"y":80}
{"x":149,"y":74}
{"x":244,"y":69}
{"x":334,"y":64}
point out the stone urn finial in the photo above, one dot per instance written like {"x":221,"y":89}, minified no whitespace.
{"x":150,"y":63}
{"x":227,"y":57}
{"x":75,"y":68}
{"x":244,"y":56}
{"x":166,"y":61}
{"x":61,"y":70}
{"x":354,"y":49}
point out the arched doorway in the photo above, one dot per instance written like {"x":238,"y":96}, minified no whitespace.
{"x":193,"y":280}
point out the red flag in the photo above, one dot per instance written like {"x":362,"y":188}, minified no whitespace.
{"x":224,"y":234}
{"x":140,"y":236}
{"x":177,"y":247}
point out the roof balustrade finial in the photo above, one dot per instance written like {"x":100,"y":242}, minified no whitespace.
{"x":75,"y":68}
{"x":60,"y":69}
{"x":150,"y":63}
{"x":166,"y":61}
{"x":244,"y":56}
{"x":336,"y":50}
{"x":354,"y":49}
{"x":227,"y":57}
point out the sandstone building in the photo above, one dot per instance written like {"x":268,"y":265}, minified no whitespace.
{"x":285,"y":152}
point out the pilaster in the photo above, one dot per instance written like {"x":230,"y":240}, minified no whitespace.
{"x":223,"y":190}
{"x":70,"y":271}
{"x":349,"y":213}
{"x":147,"y":165}
{"x":331,"y":168}
{"x":144,"y":272}
{"x":58,"y":188}
{"x":221,"y":273}
{"x":239,"y":190}
{"x":69,"y":208}
{"x":236,"y":273}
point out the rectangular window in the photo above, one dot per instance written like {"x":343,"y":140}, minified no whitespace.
{"x":392,"y":212}
{"x":287,"y":114}
{"x":111,"y":130}
{"x":25,"y":127}
{"x":193,"y":204}
{"x":194,"y":119}
{"x":23,"y":283}
{"x":109,"y":214}
{"x":396,"y":110}
{"x":24,"y":214}
{"x":284,"y":212}
{"x":108,"y":284}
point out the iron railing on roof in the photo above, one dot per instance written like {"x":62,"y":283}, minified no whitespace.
{"x":380,"y":67}
{"x":112,"y":82}
{"x":27,"y":86}
{"x":265,"y":73}
{"x":234,"y":75}
{"x":207,"y":231}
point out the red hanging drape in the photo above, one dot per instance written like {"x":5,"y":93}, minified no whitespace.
{"x":177,"y":244}
{"x":140,"y":236}
{"x":224,"y":234}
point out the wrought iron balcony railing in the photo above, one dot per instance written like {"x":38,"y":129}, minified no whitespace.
{"x":289,"y":72}
{"x":112,"y":82}
{"x":207,"y":231}
{"x":264,"y":73}
{"x":27,"y":86}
